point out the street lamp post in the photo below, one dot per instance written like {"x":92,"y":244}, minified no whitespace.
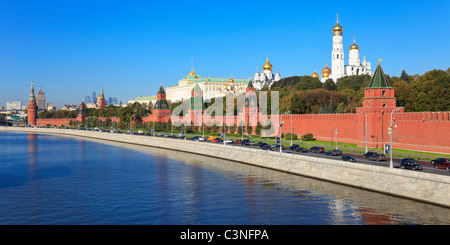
{"x":391,"y":130}
{"x":281,"y":145}
{"x":336,"y":139}
{"x":365,"y":114}
{"x":131,"y":117}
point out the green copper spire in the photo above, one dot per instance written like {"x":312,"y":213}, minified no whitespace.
{"x":32,"y":92}
{"x":379,"y":79}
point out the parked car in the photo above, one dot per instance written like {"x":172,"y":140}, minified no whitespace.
{"x":228,"y":141}
{"x":217,"y":140}
{"x":276,"y":146}
{"x":238,"y":141}
{"x":195,"y":138}
{"x":261,"y":144}
{"x":180,"y":136}
{"x":293,"y":147}
{"x":442,"y":165}
{"x":245,"y":142}
{"x":409,"y":163}
{"x":317,"y":149}
{"x":334,"y":153}
{"x":377,"y":157}
{"x":267,"y":148}
{"x":348,"y":158}
{"x":301,"y":149}
{"x":440,"y":160}
{"x":368,"y":154}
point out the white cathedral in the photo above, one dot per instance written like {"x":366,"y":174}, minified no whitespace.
{"x":266,"y":77}
{"x":338,"y":69}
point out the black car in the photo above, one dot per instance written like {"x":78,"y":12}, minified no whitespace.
{"x":293,"y":147}
{"x":245,"y":142}
{"x":348,"y":158}
{"x":334,"y":153}
{"x":440,"y":161}
{"x":317,"y":149}
{"x":276,"y":146}
{"x":408,"y":163}
{"x":261,"y":144}
{"x":267,"y":148}
{"x":368,"y":154}
{"x":377,"y":157}
{"x":301,"y":149}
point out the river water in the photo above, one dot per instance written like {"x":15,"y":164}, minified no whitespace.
{"x":54,"y":180}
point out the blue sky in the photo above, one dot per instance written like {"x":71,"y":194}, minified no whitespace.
{"x":71,"y":48}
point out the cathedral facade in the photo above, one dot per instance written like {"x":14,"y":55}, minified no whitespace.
{"x":338,"y":67}
{"x":266,"y":77}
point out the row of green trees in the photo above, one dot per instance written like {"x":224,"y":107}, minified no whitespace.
{"x":307,"y":95}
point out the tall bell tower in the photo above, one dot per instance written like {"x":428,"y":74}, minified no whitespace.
{"x":337,"y":54}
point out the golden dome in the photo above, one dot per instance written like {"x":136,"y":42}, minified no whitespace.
{"x":315,"y":74}
{"x":354,"y":46}
{"x":192,"y":72}
{"x":267,"y":66}
{"x":231,"y":80}
{"x":326,"y":71}
{"x":337,"y":28}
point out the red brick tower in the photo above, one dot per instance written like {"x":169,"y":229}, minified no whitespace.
{"x":375,"y":115}
{"x":251,"y":106}
{"x":161,"y":110}
{"x":197,"y":105}
{"x":82,"y":113}
{"x":32,"y":107}
{"x":101,"y":103}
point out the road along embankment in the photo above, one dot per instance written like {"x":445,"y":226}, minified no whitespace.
{"x":425,"y":187}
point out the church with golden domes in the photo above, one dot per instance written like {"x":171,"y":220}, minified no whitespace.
{"x":338,"y":68}
{"x":266,"y":77}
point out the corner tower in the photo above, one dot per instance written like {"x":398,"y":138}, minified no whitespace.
{"x":32,"y":107}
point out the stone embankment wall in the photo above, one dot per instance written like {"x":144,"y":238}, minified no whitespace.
{"x":417,"y":185}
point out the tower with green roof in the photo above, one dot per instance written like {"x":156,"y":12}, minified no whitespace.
{"x":379,"y":93}
{"x":197,"y":105}
{"x":374,"y":117}
{"x":161,"y":110}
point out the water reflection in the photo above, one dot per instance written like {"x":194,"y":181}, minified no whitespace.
{"x":50,"y":179}
{"x":344,"y":201}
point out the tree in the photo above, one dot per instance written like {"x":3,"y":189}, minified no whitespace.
{"x":404,"y":77}
{"x":329,"y":85}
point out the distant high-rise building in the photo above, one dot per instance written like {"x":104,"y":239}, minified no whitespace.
{"x":87,"y":99}
{"x":94,"y":97}
{"x":13,"y":105}
{"x":41,"y":100}
{"x":112,"y":101}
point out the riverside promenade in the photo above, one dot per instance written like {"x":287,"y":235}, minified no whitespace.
{"x":416,"y":185}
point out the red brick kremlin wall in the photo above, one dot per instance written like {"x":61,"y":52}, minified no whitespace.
{"x":423,"y":131}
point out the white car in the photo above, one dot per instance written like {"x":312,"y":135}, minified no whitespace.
{"x":228,"y":141}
